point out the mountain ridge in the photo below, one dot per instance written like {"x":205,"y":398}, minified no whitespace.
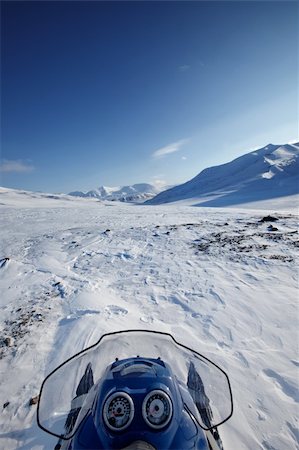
{"x":271,"y":171}
{"x":129,"y":193}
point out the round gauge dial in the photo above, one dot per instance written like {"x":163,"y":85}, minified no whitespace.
{"x":118,"y":411}
{"x":157,"y":409}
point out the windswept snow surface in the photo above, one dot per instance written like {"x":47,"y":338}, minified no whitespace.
{"x":217,"y":279}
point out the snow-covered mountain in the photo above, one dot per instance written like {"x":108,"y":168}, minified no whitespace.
{"x":135,"y":193}
{"x":267,"y":173}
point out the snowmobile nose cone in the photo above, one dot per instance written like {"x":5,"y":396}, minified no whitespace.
{"x":139,"y":445}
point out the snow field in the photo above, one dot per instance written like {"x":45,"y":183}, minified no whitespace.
{"x":217,"y":279}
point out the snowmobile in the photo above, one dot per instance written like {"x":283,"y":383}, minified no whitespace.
{"x":136,"y":390}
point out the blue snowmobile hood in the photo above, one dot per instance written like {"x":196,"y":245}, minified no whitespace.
{"x":159,"y":400}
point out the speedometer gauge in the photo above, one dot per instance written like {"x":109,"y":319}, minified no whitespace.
{"x":118,"y":411}
{"x":157,"y":409}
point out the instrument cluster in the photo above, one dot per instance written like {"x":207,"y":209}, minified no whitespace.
{"x":118,"y":410}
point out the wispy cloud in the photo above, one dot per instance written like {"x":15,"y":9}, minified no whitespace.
{"x":17,"y":166}
{"x":171,"y":148}
{"x":184,"y":68}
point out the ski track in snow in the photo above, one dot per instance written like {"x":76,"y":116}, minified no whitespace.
{"x":218,"y":280}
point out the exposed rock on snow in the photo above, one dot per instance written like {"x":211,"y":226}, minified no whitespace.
{"x":269,"y":219}
{"x":271,"y":228}
{"x":7,"y":341}
{"x":33,"y":400}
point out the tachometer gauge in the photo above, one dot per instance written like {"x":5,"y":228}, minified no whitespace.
{"x":157,"y":409}
{"x":118,"y":411}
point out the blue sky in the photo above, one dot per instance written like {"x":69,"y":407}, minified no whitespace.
{"x":113,"y":93}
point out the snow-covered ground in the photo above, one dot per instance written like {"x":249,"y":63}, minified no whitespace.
{"x":218,"y":279}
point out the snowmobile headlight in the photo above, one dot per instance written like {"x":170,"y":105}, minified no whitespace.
{"x":157,"y":409}
{"x":118,"y":411}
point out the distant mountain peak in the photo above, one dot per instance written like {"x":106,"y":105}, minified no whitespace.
{"x":138,"y":192}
